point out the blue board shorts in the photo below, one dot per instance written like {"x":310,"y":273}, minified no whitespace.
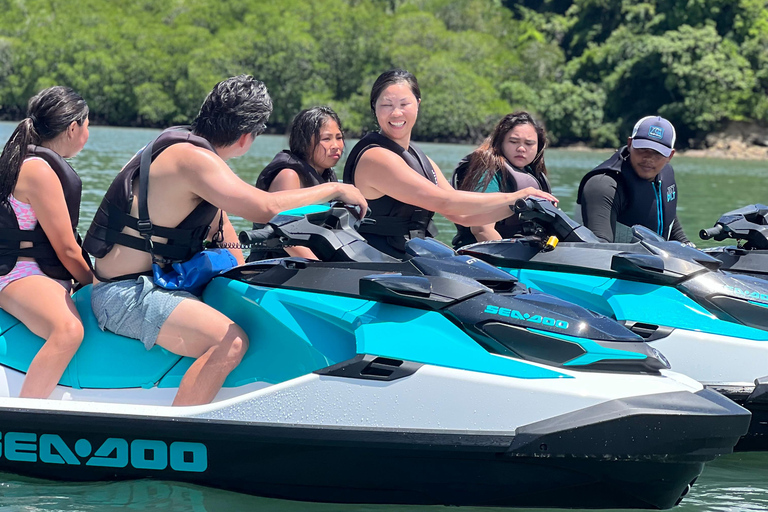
{"x":135,"y":308}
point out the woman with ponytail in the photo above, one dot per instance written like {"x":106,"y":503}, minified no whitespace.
{"x":511,"y":159}
{"x":39,"y":250}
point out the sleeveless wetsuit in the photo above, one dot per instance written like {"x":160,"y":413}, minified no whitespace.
{"x":395,"y":222}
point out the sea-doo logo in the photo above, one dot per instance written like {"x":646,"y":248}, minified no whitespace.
{"x":656,"y":132}
{"x":536,"y":319}
{"x":114,"y":452}
{"x":747,"y":294}
{"x":671,"y":192}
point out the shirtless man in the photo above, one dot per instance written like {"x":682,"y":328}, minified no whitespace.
{"x":189,"y":186}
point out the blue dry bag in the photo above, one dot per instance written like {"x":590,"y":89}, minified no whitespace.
{"x":192,"y":275}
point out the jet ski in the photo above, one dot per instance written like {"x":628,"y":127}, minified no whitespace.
{"x":748,"y":226}
{"x":711,"y":325}
{"x":437,"y":380}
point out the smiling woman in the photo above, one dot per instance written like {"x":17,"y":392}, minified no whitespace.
{"x":403,"y":185}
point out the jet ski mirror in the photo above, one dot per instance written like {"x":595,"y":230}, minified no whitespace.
{"x":428,"y":248}
{"x":431,"y":293}
{"x":642,"y":233}
{"x":646,"y":266}
{"x":396,"y":286}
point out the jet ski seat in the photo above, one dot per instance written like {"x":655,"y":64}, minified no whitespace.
{"x":108,"y":361}
{"x":104,"y":360}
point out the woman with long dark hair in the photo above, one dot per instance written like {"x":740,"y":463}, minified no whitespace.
{"x":403,"y":186}
{"x":39,"y":209}
{"x":316,"y":143}
{"x":510,"y":159}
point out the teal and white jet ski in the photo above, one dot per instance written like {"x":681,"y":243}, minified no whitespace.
{"x":439,"y":380}
{"x":711,"y":325}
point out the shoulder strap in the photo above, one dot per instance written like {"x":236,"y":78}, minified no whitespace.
{"x":144,"y":225}
{"x":423,"y":162}
{"x":544,"y":182}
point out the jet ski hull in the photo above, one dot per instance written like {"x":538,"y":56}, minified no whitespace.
{"x":694,"y":340}
{"x":433,"y":381}
{"x":571,"y":460}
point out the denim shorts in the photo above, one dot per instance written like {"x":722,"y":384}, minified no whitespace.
{"x":135,"y":308}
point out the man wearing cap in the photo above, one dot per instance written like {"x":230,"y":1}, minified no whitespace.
{"x":635,"y":186}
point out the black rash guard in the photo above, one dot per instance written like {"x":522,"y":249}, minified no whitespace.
{"x":613,"y":195}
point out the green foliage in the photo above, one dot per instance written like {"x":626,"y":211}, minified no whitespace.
{"x":574,"y":112}
{"x":587,"y":68}
{"x":462,"y":106}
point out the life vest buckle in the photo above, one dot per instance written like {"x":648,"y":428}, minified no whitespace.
{"x":144,"y":227}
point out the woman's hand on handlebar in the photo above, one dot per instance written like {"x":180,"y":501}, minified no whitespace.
{"x":350,"y":194}
{"x":533,"y":192}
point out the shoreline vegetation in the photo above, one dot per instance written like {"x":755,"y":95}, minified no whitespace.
{"x":740,"y":141}
{"x":588,"y":70}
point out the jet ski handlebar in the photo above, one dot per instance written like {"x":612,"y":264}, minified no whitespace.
{"x":328,"y":230}
{"x":715,"y":232}
{"x":256,"y":236}
{"x":542,"y":218}
{"x":748,"y":225}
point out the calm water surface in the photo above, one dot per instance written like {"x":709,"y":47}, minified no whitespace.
{"x":707,"y":188}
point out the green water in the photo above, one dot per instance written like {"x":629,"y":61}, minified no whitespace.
{"x":707,"y":188}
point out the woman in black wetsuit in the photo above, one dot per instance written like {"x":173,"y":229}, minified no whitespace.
{"x":316,"y":144}
{"x":403,"y":186}
{"x":510,"y":159}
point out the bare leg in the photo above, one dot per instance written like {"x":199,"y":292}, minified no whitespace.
{"x":195,"y":329}
{"x":47,"y":310}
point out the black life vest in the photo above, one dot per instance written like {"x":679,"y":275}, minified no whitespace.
{"x":113,"y":214}
{"x":42,"y":251}
{"x":511,"y":182}
{"x":396,"y":222}
{"x":308,"y":176}
{"x":652,"y":204}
